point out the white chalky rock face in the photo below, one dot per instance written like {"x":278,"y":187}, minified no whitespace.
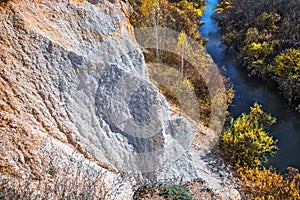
{"x":81,"y":78}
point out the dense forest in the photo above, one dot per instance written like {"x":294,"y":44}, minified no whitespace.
{"x":267,"y":34}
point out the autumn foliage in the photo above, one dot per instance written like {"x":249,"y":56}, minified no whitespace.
{"x":267,"y":184}
{"x":246,"y":144}
{"x":267,"y":34}
{"x":246,"y":141}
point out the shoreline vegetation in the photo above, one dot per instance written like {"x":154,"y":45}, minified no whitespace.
{"x":267,"y":36}
{"x":245,"y":142}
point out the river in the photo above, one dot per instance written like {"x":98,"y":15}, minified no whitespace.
{"x":250,"y":90}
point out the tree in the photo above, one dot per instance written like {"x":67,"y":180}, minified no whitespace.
{"x":246,"y":141}
{"x":151,"y":9}
{"x":184,"y":48}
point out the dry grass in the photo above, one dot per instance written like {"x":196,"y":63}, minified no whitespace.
{"x":32,"y":168}
{"x":196,"y":189}
{"x":60,"y":181}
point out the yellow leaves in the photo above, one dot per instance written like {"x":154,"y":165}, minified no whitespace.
{"x":149,"y":7}
{"x":287,"y":64}
{"x":223,"y":5}
{"x":246,"y":142}
{"x":267,"y":184}
{"x":190,"y":6}
{"x":188,"y":84}
{"x":259,"y":50}
{"x":182,"y":43}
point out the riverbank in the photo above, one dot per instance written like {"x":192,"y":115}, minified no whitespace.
{"x":267,"y":38}
{"x":249,"y":90}
{"x":257,"y":182}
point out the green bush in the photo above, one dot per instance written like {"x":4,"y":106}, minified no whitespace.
{"x":176,"y":192}
{"x":246,"y":142}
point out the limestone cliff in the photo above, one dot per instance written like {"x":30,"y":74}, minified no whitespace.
{"x":74,"y":81}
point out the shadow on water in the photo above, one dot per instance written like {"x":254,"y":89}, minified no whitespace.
{"x":250,"y":90}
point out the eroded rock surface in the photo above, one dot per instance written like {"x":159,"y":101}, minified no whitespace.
{"x":72,"y":70}
{"x":71,"y":73}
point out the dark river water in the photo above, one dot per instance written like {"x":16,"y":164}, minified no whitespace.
{"x":251,"y":90}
